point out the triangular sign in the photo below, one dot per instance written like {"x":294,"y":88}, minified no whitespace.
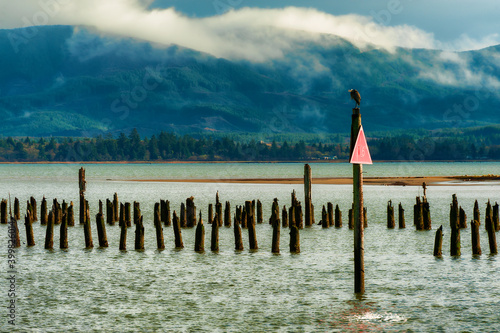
{"x":360,"y":153}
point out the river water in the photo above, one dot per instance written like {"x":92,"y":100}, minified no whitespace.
{"x":106,"y":290}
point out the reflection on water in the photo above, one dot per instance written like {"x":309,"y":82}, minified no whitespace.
{"x":106,"y":290}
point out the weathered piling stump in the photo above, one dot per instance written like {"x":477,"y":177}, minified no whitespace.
{"x":158,"y":226}
{"x":63,"y":233}
{"x":87,"y":229}
{"x":34,"y":209}
{"x":324,"y":218}
{"x":238,"y":242}
{"x":338,"y":217}
{"x":128,"y":216}
{"x":100,"y":208}
{"x":351,"y":219}
{"x":83,"y":210}
{"x":163,"y":211}
{"x":260,"y":218}
{"x":116,"y":206}
{"x":101,"y":230}
{"x":477,"y":213}
{"x":17,"y":212}
{"x":496,"y":221}
{"x":190,"y":213}
{"x":109,"y":212}
{"x":476,"y":244}
{"x":490,"y":228}
{"x":121,"y":218}
{"x":330,"y":214}
{"x":244,"y":220}
{"x":29,"y":210}
{"x":49,"y":232}
{"x":218,"y":209}
{"x":276,"y":224}
{"x":308,"y":196}
{"x":418,"y":218}
{"x":3,"y":212}
{"x":183,"y":220}
{"x":139,"y":235}
{"x":123,"y":231}
{"x":252,"y":234}
{"x":82,"y":184}
{"x":426,"y":214}
{"x":43,"y":212}
{"x":137,"y":212}
{"x":210,"y":213}
{"x":294,"y":239}
{"x":401,"y":217}
{"x":71,"y":215}
{"x":455,"y":228}
{"x":177,"y":232}
{"x":56,"y":207}
{"x":438,"y":242}
{"x":199,"y":241}
{"x":291,"y":216}
{"x":391,"y":224}
{"x":227,"y":214}
{"x":14,"y":238}
{"x":214,"y":241}
{"x":462,"y":218}
{"x":30,"y":238}
{"x":284,"y":217}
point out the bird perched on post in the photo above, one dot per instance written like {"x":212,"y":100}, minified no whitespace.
{"x":355,"y":96}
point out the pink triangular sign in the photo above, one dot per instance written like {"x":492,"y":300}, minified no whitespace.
{"x":360,"y":153}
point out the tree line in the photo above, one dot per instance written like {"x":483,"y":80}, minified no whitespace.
{"x":169,"y":146}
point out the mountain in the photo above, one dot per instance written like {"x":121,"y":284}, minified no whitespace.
{"x":71,"y":81}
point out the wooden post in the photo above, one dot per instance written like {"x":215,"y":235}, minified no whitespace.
{"x":17,"y":212}
{"x":260,"y":218}
{"x":324,"y":218}
{"x":88,"y":229}
{"x":139,"y":235}
{"x":137,"y":212}
{"x":351,"y":220}
{"x":30,"y":238}
{"x":462,"y":218}
{"x":252,"y":235}
{"x":121,"y":218}
{"x":284,"y":217}
{"x":110,"y":212}
{"x":276,"y":223}
{"x":128,"y":219}
{"x":438,"y":243}
{"x":34,"y":210}
{"x":401,"y":217}
{"x":210,"y":213}
{"x":338,"y":217}
{"x":218,"y":209}
{"x":82,"y":184}
{"x":238,"y":242}
{"x":100,"y":208}
{"x":177,"y":232}
{"x":71,"y":215}
{"x":101,"y":230}
{"x":294,"y":239}
{"x":183,"y":220}
{"x":496,"y":221}
{"x":63,"y":232}
{"x":190,"y":213}
{"x":308,"y":196}
{"x":168,"y":222}
{"x":199,"y":243}
{"x":330,"y":215}
{"x":214,"y":241}
{"x":390,"y":215}
{"x":455,"y":230}
{"x":477,"y":213}
{"x":57,"y":212}
{"x":426,"y":214}
{"x":358,"y":211}
{"x":3,"y":211}
{"x":227,"y":214}
{"x":492,"y":238}
{"x":49,"y":232}
{"x":163,"y":211}
{"x":43,"y":212}
{"x":244,"y":219}
{"x":14,"y":239}
{"x":123,"y":230}
{"x":418,"y":219}
{"x":476,"y":244}
{"x":116,"y":205}
{"x":82,"y":216}
{"x":159,"y":229}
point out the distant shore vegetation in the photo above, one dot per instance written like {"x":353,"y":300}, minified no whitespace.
{"x":471,"y":144}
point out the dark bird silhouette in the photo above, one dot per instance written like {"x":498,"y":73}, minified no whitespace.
{"x":355,"y":96}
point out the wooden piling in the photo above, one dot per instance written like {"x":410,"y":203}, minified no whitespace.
{"x":34,"y":209}
{"x":116,"y":206}
{"x":238,"y":242}
{"x":101,"y":230}
{"x":158,"y":226}
{"x":43,"y":212}
{"x":284,"y":217}
{"x":218,"y":209}
{"x":490,"y":228}
{"x":56,"y":207}
{"x":299,"y":221}
{"x":455,"y":230}
{"x":128,"y":219}
{"x":49,"y":231}
{"x":71,"y":215}
{"x":210,"y":213}
{"x":227,"y":214}
{"x":190,"y":212}
{"x":87,"y":228}
{"x":476,"y":244}
{"x":199,"y":242}
{"x":214,"y":241}
{"x":276,"y":224}
{"x":252,"y":235}
{"x":391,"y":224}
{"x":401,"y":217}
{"x":330,"y":214}
{"x":294,"y":239}
{"x":308,"y":196}
{"x":63,"y":232}
{"x":139,"y":235}
{"x":30,"y":238}
{"x":477,"y":213}
{"x":183,"y":220}
{"x":324,"y":218}
{"x":338,"y":217}
{"x":137,"y":212}
{"x":426,"y":214}
{"x":351,"y":220}
{"x":123,"y":230}
{"x":13,"y":232}
{"x":462,"y":218}
{"x":438,"y":242}
{"x":177,"y":232}
{"x":110,"y":212}
{"x":418,"y":219}
{"x":260,"y":218}
{"x":3,"y":211}
{"x":17,"y":212}
{"x":83,"y":210}
{"x":163,"y":211}
{"x":244,"y":220}
{"x":496,"y":221}
{"x":100,"y":208}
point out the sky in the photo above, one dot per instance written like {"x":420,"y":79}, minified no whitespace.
{"x":261,"y":30}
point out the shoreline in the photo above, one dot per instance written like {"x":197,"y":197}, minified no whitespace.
{"x":386,"y":181}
